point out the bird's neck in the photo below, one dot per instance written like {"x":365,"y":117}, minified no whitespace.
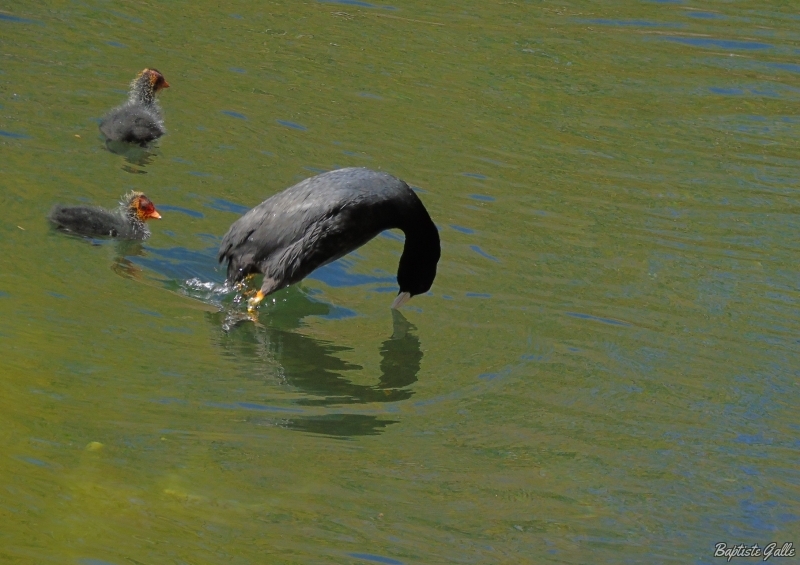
{"x":132,"y":219}
{"x":142,"y":92}
{"x":421,"y":253}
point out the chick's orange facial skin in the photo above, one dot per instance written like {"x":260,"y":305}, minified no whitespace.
{"x":146,"y":210}
{"x":155,"y":78}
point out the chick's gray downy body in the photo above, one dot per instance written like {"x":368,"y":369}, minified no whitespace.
{"x":125,"y":222}
{"x":323,"y":218}
{"x":140,"y":119}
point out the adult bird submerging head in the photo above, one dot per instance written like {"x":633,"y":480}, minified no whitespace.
{"x":323,"y":218}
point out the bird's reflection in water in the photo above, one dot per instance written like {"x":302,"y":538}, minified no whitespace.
{"x":124,"y":266}
{"x":311,"y":366}
{"x":133,"y":153}
{"x":339,"y":425}
{"x":315,"y":367}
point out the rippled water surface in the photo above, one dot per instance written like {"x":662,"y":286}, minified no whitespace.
{"x":605,"y":370}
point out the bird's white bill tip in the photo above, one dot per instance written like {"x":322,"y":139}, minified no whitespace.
{"x":401,"y":299}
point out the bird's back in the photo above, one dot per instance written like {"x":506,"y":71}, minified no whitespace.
{"x":88,"y":220}
{"x":313,"y":223}
{"x":133,"y":122}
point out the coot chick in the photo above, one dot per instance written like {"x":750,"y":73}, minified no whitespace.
{"x":139,"y":120}
{"x":323,"y":218}
{"x":125,"y":222}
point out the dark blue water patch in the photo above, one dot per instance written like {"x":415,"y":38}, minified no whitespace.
{"x":726,"y":91}
{"x":292,"y":125}
{"x":180,"y":264}
{"x":116,"y":44}
{"x":181,"y":161}
{"x":720,"y":43}
{"x":483,"y":253}
{"x":4,"y":294}
{"x":533,"y":357}
{"x":482,"y":197}
{"x":767,"y":93}
{"x":758,"y":514}
{"x":477,"y":295}
{"x":447,"y":297}
{"x":358,"y":3}
{"x":751,"y":91}
{"x":101,"y":242}
{"x":227,"y":206}
{"x":337,"y":275}
{"x":233,"y":114}
{"x":370,"y":95}
{"x":14,"y":135}
{"x":239,"y":70}
{"x":339,"y":313}
{"x":384,"y":289}
{"x":632,"y":23}
{"x":393,"y":236}
{"x":375,"y":558}
{"x":254,"y":406}
{"x":152,"y":313}
{"x":210,"y":238}
{"x":168,"y":400}
{"x":177,"y":330}
{"x":199,"y":174}
{"x":597,"y":319}
{"x":236,"y":17}
{"x":752,"y":471}
{"x":186,"y":211}
{"x":57,"y":295}
{"x":418,"y":190}
{"x":704,"y":15}
{"x":757,"y":439}
{"x":791,"y":67}
{"x":33,"y":461}
{"x":462,"y":229}
{"x":474,"y":176}
{"x":16,"y":19}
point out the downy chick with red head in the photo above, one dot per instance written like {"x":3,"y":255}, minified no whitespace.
{"x":139,"y":120}
{"x":125,"y":222}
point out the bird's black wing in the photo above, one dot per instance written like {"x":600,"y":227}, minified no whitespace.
{"x":269,"y":228}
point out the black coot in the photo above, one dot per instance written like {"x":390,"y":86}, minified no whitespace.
{"x":323,"y":218}
{"x":125,"y":222}
{"x":139,"y":120}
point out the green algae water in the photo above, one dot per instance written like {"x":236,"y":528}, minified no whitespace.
{"x":605,"y":370}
